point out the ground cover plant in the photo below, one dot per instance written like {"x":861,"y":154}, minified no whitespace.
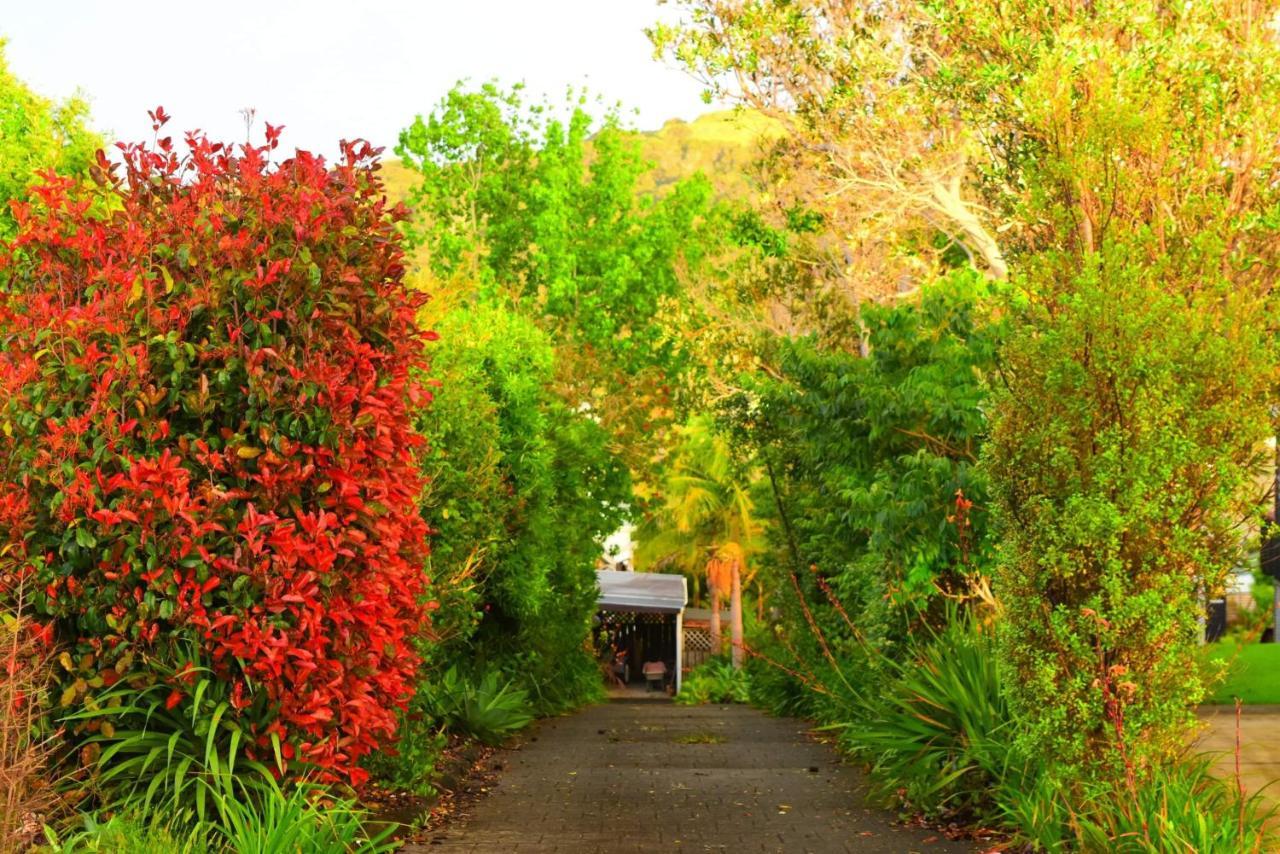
{"x":715,"y":681}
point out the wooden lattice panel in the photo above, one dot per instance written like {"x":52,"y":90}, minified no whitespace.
{"x":697,"y":640}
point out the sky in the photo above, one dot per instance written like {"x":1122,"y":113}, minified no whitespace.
{"x":329,"y":70}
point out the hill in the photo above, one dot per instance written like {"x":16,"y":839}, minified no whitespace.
{"x":721,"y":144}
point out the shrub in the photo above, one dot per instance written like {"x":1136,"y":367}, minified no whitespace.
{"x":714,"y":681}
{"x":486,"y":708}
{"x":204,"y":403}
{"x":940,"y":734}
{"x":420,"y":743}
{"x":1111,"y":537}
{"x":869,"y":457}
{"x":522,"y":490}
{"x":777,"y":691}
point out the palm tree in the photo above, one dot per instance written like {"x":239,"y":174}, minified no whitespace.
{"x":705,"y":523}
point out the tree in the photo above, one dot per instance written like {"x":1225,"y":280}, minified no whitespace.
{"x":522,"y":491}
{"x":706,"y":521}
{"x":873,"y":456}
{"x":874,"y":161}
{"x":37,"y":135}
{"x":543,"y":213}
{"x":1135,"y":386}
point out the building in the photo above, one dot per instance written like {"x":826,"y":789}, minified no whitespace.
{"x":640,"y":619}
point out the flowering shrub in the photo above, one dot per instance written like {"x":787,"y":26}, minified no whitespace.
{"x":205,"y":435}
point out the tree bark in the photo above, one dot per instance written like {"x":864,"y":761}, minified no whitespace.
{"x":717,"y":642}
{"x":735,"y":616}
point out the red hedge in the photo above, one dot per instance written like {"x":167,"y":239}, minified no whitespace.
{"x":205,"y":382}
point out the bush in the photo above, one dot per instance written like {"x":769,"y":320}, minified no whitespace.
{"x":206,"y":441}
{"x":777,"y":691}
{"x":940,"y":734}
{"x":487,"y":708}
{"x":411,"y":765}
{"x":522,"y":489}
{"x":1109,"y":541}
{"x":714,"y":681}
{"x":870,"y":457}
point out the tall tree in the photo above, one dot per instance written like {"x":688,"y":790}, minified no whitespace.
{"x":539,"y":209}
{"x":876,"y":166}
{"x":705,"y":522}
{"x":1138,"y":153}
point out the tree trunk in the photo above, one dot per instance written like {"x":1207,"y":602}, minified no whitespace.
{"x":716,"y":640}
{"x":735,"y":616}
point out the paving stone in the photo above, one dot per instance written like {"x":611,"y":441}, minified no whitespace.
{"x":617,"y":778}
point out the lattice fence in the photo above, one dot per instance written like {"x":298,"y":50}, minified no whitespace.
{"x":697,"y":647}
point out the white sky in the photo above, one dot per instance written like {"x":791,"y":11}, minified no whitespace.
{"x":328,"y":70}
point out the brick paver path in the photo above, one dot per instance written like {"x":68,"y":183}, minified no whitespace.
{"x":645,"y":777}
{"x":1259,"y":748}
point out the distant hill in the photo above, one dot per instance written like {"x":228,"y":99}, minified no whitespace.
{"x":722,"y":145}
{"x":398,"y":179}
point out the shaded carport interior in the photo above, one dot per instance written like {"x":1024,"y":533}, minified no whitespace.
{"x":646,"y":594}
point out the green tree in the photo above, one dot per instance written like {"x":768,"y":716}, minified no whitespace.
{"x":875,"y":461}
{"x":540,"y":209}
{"x":521,"y":491}
{"x":37,"y":135}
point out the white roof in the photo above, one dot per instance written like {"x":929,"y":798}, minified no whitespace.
{"x":648,"y":592}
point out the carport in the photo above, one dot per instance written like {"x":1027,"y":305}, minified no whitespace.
{"x":641,"y":614}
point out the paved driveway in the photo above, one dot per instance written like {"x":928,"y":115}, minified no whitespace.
{"x":645,"y":777}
